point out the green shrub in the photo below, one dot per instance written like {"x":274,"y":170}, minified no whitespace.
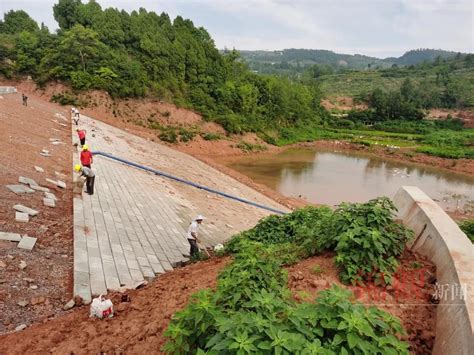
{"x":448,"y":152}
{"x":368,"y":240}
{"x":304,"y":226}
{"x":169,"y":135}
{"x":208,"y":136}
{"x":186,"y":135}
{"x":249,"y":147}
{"x":467,"y":227}
{"x":251,"y":312}
{"x":154,"y":125}
{"x":66,"y":98}
{"x":365,"y":237}
{"x":343,"y":123}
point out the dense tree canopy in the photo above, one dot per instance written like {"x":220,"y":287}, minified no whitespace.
{"x":143,"y":53}
{"x":16,"y":22}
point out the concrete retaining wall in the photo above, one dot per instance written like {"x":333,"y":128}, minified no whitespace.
{"x":7,"y":90}
{"x":439,"y":238}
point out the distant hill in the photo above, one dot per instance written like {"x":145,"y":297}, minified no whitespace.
{"x":307,"y":57}
{"x":417,"y":56}
{"x":295,"y":60}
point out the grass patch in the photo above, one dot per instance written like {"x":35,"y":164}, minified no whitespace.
{"x":468,"y":228}
{"x":208,"y":136}
{"x":249,"y":147}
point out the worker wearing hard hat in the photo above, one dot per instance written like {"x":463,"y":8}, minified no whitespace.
{"x":193,"y":235}
{"x":86,"y":156}
{"x":89,"y":175}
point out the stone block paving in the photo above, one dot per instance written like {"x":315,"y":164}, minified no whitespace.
{"x":131,"y":229}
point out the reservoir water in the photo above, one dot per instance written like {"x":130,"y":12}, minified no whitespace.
{"x":330,"y":177}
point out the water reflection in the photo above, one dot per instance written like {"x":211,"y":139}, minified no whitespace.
{"x":332,"y":177}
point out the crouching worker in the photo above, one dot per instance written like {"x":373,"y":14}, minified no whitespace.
{"x":193,"y":235}
{"x":89,"y":175}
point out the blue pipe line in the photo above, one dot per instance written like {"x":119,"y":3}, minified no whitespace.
{"x":202,"y":187}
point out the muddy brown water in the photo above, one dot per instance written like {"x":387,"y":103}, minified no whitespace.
{"x":331,"y":177}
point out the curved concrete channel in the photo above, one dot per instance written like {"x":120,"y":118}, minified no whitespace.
{"x":439,"y":238}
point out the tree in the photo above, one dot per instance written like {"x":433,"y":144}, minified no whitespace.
{"x":66,"y":13}
{"x":18,"y":21}
{"x":80,"y":45}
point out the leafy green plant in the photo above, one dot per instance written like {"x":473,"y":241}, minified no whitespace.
{"x":467,"y":227}
{"x":251,"y":310}
{"x":368,"y":240}
{"x":168,"y":135}
{"x":305,"y":225}
{"x":66,"y":98}
{"x":186,"y":135}
{"x":249,"y":147}
{"x":208,"y":136}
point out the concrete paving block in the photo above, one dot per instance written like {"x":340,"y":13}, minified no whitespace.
{"x":98,"y":286}
{"x":51,"y":196}
{"x":51,"y":181}
{"x":133,"y":264}
{"x":27,"y":181}
{"x":20,"y":189}
{"x":147,"y":272}
{"x":112,"y":283}
{"x":82,"y":286}
{"x":49,"y":202}
{"x":24,"y":209}
{"x":27,"y":242}
{"x":152,"y":258}
{"x":39,"y":188}
{"x":39,"y":169}
{"x":166,"y":265}
{"x":136,"y":275}
{"x":12,"y":237}
{"x":157,"y":268}
{"x":143,"y":261}
{"x":22,"y":217}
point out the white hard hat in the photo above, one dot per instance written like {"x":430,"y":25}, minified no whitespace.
{"x":199,"y":217}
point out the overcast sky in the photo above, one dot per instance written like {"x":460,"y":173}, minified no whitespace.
{"x":374,"y":27}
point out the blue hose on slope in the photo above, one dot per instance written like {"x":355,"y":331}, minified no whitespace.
{"x":202,"y":187}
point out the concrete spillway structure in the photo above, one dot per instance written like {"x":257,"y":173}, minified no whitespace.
{"x":439,"y":238}
{"x":7,"y":90}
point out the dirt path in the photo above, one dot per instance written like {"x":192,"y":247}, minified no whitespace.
{"x":45,"y":284}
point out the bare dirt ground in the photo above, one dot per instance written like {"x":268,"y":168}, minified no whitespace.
{"x":45,"y":284}
{"x":138,"y":325}
{"x":342,"y":103}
